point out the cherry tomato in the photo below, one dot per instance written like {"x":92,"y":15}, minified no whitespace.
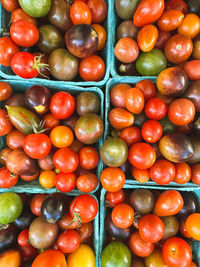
{"x":134,"y":100}
{"x":183,"y":230}
{"x":98,"y":9}
{"x":195,"y":177}
{"x":80,"y":13}
{"x":181,"y":111}
{"x":176,"y":252}
{"x":5,"y":91}
{"x":84,"y":206}
{"x":168,"y":203}
{"x":193,"y":226}
{"x":50,"y":121}
{"x":50,"y":258}
{"x":147,"y":37}
{"x":8,"y":49}
{"x":68,"y":241}
{"x":139,"y":247}
{"x":67,"y":222}
{"x":4,"y":154}
{"x":15,"y":139}
{"x":155,"y":109}
{"x":62,"y":105}
{"x":147,"y":87}
{"x":47,"y":179}
{"x":182,"y":173}
{"x":162,"y":172}
{"x":29,"y":178}
{"x":112,"y":199}
{"x":126,"y":50}
{"x":88,"y":158}
{"x":76,"y":145}
{"x":118,"y":94}
{"x":65,"y":182}
{"x":190,"y":26}
{"x":92,"y":68}
{"x":66,"y":160}
{"x":152,"y":131}
{"x":5,"y":124}
{"x":120,"y":118}
{"x":87,"y":183}
{"x":23,"y":238}
{"x":61,"y":136}
{"x":7,"y":179}
{"x":28,"y":253}
{"x":192,"y":69}
{"x":36,"y":204}
{"x":102,"y":35}
{"x":112,"y":179}
{"x":122,"y":215}
{"x":85,"y":231}
{"x":10,"y":5}
{"x":178,"y":5}
{"x":162,"y":39}
{"x":131,"y":135}
{"x":140,"y":175}
{"x":147,"y":12}
{"x":141,"y":155}
{"x":170,"y":20}
{"x":20,"y":14}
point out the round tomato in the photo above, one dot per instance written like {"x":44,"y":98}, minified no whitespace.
{"x":5,"y":91}
{"x":66,"y":160}
{"x":118,"y":94}
{"x":67,"y":222}
{"x":83,"y":256}
{"x":114,"y":198}
{"x":140,"y":175}
{"x":190,"y":26}
{"x":155,"y":109}
{"x":170,"y":20}
{"x":122,"y":215}
{"x":47,"y":179}
{"x":152,"y":131}
{"x":50,"y":258}
{"x":22,"y":239}
{"x":176,"y":252}
{"x":98,"y":9}
{"x":112,"y":179}
{"x":50,"y":121}
{"x":131,"y":135}
{"x":162,"y":172}
{"x":62,"y":105}
{"x":147,"y":37}
{"x":126,"y":50}
{"x":182,"y":173}
{"x":68,"y":241}
{"x":8,"y":49}
{"x":141,"y":155}
{"x":192,"y":69}
{"x":61,"y":136}
{"x":65,"y":182}
{"x":147,"y":87}
{"x":178,"y":5}
{"x":5,"y":124}
{"x":87,"y":183}
{"x":134,"y":100}
{"x":15,"y":139}
{"x":193,"y":226}
{"x":80,"y":13}
{"x":195,"y":177}
{"x":88,"y":158}
{"x":20,"y":14}
{"x":36,"y":204}
{"x":102,"y":35}
{"x":7,"y":179}
{"x":120,"y":118}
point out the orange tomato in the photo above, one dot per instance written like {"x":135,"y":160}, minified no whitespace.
{"x":190,"y":26}
{"x":183,"y":230}
{"x":5,"y":91}
{"x":120,"y":118}
{"x":80,"y":13}
{"x":50,"y":258}
{"x":101,"y":34}
{"x":10,"y":258}
{"x":10,"y":5}
{"x":192,"y":69}
{"x":47,"y":179}
{"x":112,"y":179}
{"x":192,"y":225}
{"x":170,"y":20}
{"x":140,"y":175}
{"x":182,"y":173}
{"x":61,"y":136}
{"x":134,"y":100}
{"x":126,"y":50}
{"x":147,"y":38}
{"x":123,"y":215}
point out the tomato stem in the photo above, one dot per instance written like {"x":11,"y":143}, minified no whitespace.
{"x":38,"y":65}
{"x":39,"y":128}
{"x":4,"y":226}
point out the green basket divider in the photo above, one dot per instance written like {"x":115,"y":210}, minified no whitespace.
{"x":20,"y":86}
{"x":7,"y":73}
{"x":103,"y":211}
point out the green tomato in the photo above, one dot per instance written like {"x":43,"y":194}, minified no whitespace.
{"x":11,"y":206}
{"x":116,"y":254}
{"x":36,"y":8}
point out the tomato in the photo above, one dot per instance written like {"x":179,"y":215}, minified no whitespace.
{"x":5,"y":124}
{"x":147,"y":12}
{"x":141,"y":155}
{"x":155,"y":109}
{"x":178,"y":48}
{"x":23,"y":239}
{"x":182,"y":173}
{"x":140,"y":175}
{"x":20,"y":14}
{"x":36,"y":204}
{"x":131,"y":135}
{"x":7,"y":179}
{"x":147,"y":87}
{"x":122,"y":215}
{"x":8,"y":49}
{"x":10,"y":5}
{"x":88,"y":158}
{"x":190,"y":26}
{"x":195,"y":174}
{"x":192,"y":225}
{"x":80,"y":13}
{"x":68,"y":241}
{"x":119,"y":118}
{"x":178,"y":5}
{"x":193,"y":264}
{"x":85,"y":207}
{"x":83,"y":256}
{"x":118,"y":94}
{"x":62,"y":105}
{"x":92,"y":68}
{"x":102,"y":35}
{"x":4,"y":154}
{"x":183,"y":230}
{"x":176,"y":252}
{"x":192,"y":69}
{"x":126,"y":50}
{"x":76,"y":145}
{"x":66,"y":160}
{"x":168,"y":203}
{"x":36,"y":9}
{"x":139,"y":247}
{"x":65,"y":182}
{"x":152,"y":131}
{"x":181,"y":111}
{"x":151,"y":228}
{"x":15,"y":139}
{"x":162,"y":39}
{"x":147,"y":37}
{"x":162,"y":172}
{"x":67,"y":222}
{"x":170,"y":20}
{"x":61,"y":136}
{"x":32,"y":177}
{"x":47,"y":179}
{"x":112,"y":179}
{"x":87,"y":183}
{"x":85,"y":231}
{"x":28,"y":253}
{"x":50,"y":258}
{"x":5,"y":91}
{"x":98,"y":9}
{"x":50,"y":121}
{"x":114,"y":198}
{"x":134,"y":100}
{"x":11,"y":258}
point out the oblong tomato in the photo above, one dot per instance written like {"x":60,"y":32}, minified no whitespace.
{"x":120,"y":118}
{"x":147,"y":37}
{"x":170,"y":20}
{"x":192,"y":69}
{"x":134,"y":100}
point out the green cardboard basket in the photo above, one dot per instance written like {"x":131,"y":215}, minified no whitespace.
{"x":103,"y":210}
{"x":7,"y":73}
{"x":20,"y":86}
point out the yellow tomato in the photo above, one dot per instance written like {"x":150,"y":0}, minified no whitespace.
{"x":47,"y":179}
{"x":82,"y":257}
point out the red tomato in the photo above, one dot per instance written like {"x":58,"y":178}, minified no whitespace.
{"x":134,"y":100}
{"x":152,"y":131}
{"x":147,"y":37}
{"x":65,"y":182}
{"x":176,"y":252}
{"x":92,"y":68}
{"x":120,"y":118}
{"x":155,"y":109}
{"x":147,"y":12}
{"x":62,"y":105}
{"x":192,"y":226}
{"x":122,"y":215}
{"x":80,"y":13}
{"x":178,"y":5}
{"x":112,"y":179}
{"x":140,"y":175}
{"x":10,"y":5}
{"x":141,"y":155}
{"x":7,"y":179}
{"x":66,"y":160}
{"x":192,"y":69}
{"x":162,"y":172}
{"x":126,"y":50}
{"x":98,"y":9}
{"x":86,"y":183}
{"x":50,"y":258}
{"x":36,"y":204}
{"x":162,"y":39}
{"x":147,"y":87}
{"x":50,"y":121}
{"x":5,"y":91}
{"x":5,"y":124}
{"x":7,"y":50}
{"x":131,"y":135}
{"x":20,"y":14}
{"x":151,"y":228}
{"x":182,"y":173}
{"x":68,"y":241}
{"x":23,"y":238}
{"x":112,"y":199}
{"x":196,"y":174}
{"x":15,"y":139}
{"x":190,"y":26}
{"x":118,"y":95}
{"x":170,"y":20}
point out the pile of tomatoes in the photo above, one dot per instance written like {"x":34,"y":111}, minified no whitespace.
{"x":41,"y":230}
{"x":157,"y":33}
{"x":55,"y":38}
{"x":150,"y":228}
{"x":50,"y":136}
